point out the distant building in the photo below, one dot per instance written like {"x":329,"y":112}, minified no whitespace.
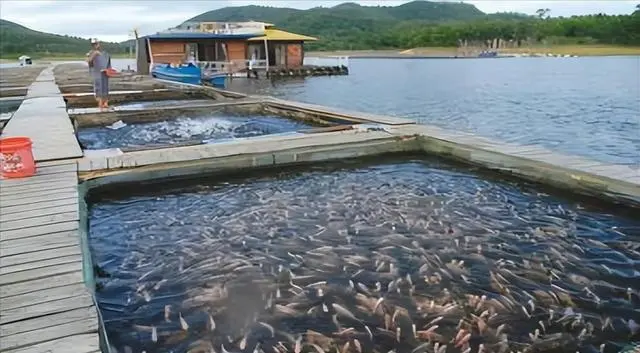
{"x":231,"y":44}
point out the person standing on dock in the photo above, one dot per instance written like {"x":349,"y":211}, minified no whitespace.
{"x":99,"y":61}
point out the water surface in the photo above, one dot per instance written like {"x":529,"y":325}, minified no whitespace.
{"x":309,"y":253}
{"x":582,"y":106}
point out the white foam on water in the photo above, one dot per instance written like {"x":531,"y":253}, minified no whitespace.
{"x":184,"y":128}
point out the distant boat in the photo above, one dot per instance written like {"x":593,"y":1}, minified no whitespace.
{"x":187,"y":73}
{"x":488,"y":54}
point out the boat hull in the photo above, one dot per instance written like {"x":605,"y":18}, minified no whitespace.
{"x":218,"y":80}
{"x":190,"y":74}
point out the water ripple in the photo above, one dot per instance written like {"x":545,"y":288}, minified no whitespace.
{"x":582,"y":106}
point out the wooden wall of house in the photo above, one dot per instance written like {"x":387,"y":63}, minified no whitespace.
{"x":237,"y":50}
{"x":294,"y":55}
{"x":167,"y":52}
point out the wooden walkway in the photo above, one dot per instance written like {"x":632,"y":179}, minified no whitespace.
{"x":45,"y":305}
{"x":43,"y":117}
{"x":364,"y":117}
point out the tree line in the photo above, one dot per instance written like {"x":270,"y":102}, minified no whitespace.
{"x":590,"y":29}
{"x":354,"y":27}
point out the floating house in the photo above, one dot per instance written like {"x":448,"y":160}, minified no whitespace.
{"x":224,"y":46}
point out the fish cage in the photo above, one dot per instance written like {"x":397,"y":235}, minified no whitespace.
{"x":373,"y":236}
{"x":372,"y":245}
{"x":351,"y":233}
{"x":152,"y":125}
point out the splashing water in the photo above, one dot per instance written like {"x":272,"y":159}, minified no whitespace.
{"x":186,"y":129}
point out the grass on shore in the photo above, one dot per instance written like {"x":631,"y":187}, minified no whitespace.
{"x":575,"y":49}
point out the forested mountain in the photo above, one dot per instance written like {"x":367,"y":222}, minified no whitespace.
{"x":415,"y":10}
{"x":426,"y":23}
{"x":349,"y":25}
{"x":16,"y":40}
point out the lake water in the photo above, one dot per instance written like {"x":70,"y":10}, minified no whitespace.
{"x":301,"y":255}
{"x":581,"y":106}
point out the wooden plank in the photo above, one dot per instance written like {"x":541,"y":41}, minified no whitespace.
{"x":42,"y":296}
{"x":40,"y":284}
{"x":39,"y":256}
{"x":57,"y":184}
{"x":39,"y":230}
{"x":31,"y":213}
{"x":26,"y":339}
{"x":9,"y":184}
{"x":33,"y":193}
{"x":41,"y":240}
{"x":46,"y":308}
{"x":57,"y":162}
{"x":48,"y":321}
{"x":8,"y":210}
{"x":44,"y":272}
{"x":188,"y":104}
{"x":39,"y":198}
{"x":27,"y":264}
{"x":55,"y":169}
{"x":63,"y":144}
{"x":38,"y":178}
{"x":78,"y":343}
{"x":40,"y":221}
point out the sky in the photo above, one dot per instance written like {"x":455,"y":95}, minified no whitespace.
{"x":114,"y":20}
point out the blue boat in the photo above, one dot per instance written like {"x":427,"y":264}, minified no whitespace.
{"x":216,"y":79}
{"x":186,"y":73}
{"x":488,"y":54}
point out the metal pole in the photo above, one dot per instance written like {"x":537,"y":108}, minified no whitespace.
{"x":266,"y":53}
{"x":150,"y":55}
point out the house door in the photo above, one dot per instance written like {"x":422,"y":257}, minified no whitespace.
{"x":257,"y":50}
{"x":191,"y":51}
{"x":280,"y":55}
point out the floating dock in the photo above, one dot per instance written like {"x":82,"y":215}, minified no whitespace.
{"x":46,"y":303}
{"x":46,"y":272}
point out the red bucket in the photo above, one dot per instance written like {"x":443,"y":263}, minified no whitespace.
{"x":16,"y":158}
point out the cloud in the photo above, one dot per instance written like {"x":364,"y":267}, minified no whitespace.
{"x":114,"y":20}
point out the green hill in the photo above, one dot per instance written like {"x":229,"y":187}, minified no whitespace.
{"x":431,"y":24}
{"x":415,"y":10}
{"x":16,"y":40}
{"x":352,"y":26}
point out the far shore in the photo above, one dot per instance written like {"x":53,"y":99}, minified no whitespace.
{"x":427,"y":52}
{"x":577,"y":50}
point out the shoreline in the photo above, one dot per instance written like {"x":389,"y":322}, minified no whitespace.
{"x":424,"y":53}
{"x":444,"y":52}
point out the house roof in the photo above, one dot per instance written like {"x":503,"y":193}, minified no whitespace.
{"x":199,"y":35}
{"x":276,"y":34}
